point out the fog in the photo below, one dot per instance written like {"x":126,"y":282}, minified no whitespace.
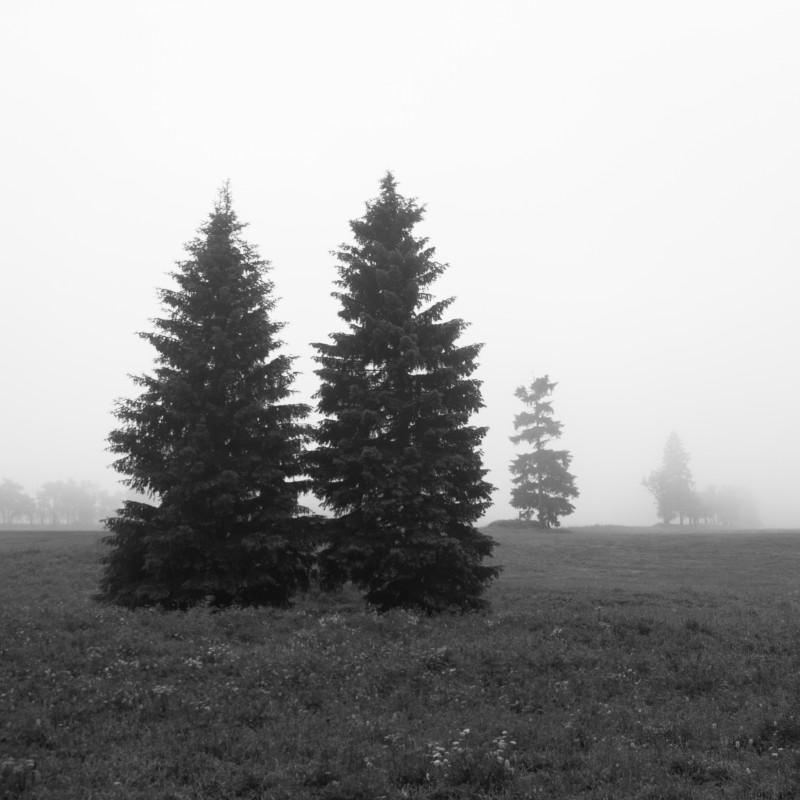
{"x":614,"y":186}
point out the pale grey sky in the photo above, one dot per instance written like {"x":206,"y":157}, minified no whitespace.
{"x":615,"y":185}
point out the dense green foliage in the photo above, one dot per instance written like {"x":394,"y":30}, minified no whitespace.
{"x":397,"y":460}
{"x":543,"y":484}
{"x":212,"y":440}
{"x":600,"y":673}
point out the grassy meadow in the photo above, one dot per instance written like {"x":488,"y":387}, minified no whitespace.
{"x":615,"y":663}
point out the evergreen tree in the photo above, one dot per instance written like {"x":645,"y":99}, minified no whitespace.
{"x":397,"y":461}
{"x":211,"y":442}
{"x":543,"y":484}
{"x":672,"y":485}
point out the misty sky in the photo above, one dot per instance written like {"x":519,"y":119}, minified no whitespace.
{"x":615,"y":185}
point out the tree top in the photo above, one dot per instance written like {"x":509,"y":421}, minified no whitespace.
{"x":388,"y":183}
{"x":224,"y":201}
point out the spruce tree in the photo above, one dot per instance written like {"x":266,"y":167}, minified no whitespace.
{"x":543,"y":484}
{"x":211,"y":443}
{"x":672,"y":484}
{"x":397,"y":460}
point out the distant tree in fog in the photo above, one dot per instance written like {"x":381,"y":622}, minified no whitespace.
{"x":77,"y":504}
{"x":543,"y":485}
{"x":68,"y":503}
{"x":730,"y":505}
{"x":29,"y":510}
{"x":672,"y":485}
{"x":213,"y":442}
{"x":107,"y":503}
{"x":14,"y":503}
{"x":50,"y":503}
{"x":80,"y":504}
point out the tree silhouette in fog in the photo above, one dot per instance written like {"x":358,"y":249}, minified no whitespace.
{"x":397,"y":460}
{"x":211,"y":442}
{"x":543,"y":484}
{"x":671,"y":484}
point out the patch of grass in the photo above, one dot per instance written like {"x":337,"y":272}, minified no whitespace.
{"x":592,"y":683}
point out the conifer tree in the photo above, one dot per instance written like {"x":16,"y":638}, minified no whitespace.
{"x":672,"y":485}
{"x":397,"y":461}
{"x":211,"y":442}
{"x":543,"y":484}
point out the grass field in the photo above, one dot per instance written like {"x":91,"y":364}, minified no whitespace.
{"x":614,"y":664}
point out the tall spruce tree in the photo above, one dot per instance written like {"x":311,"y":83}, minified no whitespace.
{"x":543,"y":484}
{"x":211,"y":442}
{"x":397,"y":461}
{"x":672,"y":485}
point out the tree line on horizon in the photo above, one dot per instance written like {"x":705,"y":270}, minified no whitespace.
{"x":676,"y":497}
{"x":220,"y":456}
{"x":57,"y":503}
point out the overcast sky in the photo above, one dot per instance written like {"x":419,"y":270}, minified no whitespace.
{"x":615,"y":186}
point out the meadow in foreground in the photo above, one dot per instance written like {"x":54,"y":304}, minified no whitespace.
{"x":612,"y":665}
